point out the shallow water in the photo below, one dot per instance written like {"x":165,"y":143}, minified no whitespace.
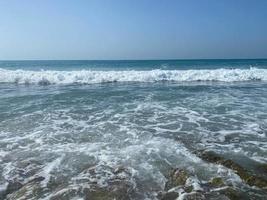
{"x":82,"y":136}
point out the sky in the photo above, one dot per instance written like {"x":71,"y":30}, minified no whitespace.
{"x":132,"y":29}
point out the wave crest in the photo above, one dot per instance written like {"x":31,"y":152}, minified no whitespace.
{"x":89,"y":76}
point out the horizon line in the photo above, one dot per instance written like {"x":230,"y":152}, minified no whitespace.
{"x":170,"y":59}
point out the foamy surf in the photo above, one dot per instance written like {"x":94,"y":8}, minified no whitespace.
{"x":93,"y":76}
{"x":132,"y":141}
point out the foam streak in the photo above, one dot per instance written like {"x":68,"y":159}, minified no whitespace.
{"x":89,"y":77}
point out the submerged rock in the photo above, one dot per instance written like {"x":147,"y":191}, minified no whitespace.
{"x":263,"y":168}
{"x":232,"y":193}
{"x":177,"y":177}
{"x":13,"y":186}
{"x":180,"y":185}
{"x":217,"y":182}
{"x":31,"y":189}
{"x":188,"y":188}
{"x":245,"y":175}
{"x":66,"y":193}
{"x":194,"y":196}
{"x":118,"y":191}
{"x":168,"y":195}
{"x":99,"y":182}
{"x":176,"y":182}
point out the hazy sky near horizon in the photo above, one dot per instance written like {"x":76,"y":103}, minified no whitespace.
{"x":132,"y":29}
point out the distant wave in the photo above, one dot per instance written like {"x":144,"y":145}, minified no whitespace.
{"x":89,"y":76}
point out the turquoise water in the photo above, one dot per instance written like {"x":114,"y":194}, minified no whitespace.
{"x":74,"y":123}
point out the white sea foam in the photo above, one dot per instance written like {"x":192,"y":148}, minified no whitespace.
{"x":89,"y":76}
{"x":88,"y":140}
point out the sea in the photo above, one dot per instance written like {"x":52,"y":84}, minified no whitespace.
{"x":117,"y":129}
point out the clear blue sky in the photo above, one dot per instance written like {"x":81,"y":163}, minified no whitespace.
{"x":132,"y":29}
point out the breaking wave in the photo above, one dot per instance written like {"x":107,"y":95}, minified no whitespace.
{"x":89,"y":76}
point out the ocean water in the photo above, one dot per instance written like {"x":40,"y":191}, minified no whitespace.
{"x":83,"y":126}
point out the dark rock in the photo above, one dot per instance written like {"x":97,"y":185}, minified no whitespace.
{"x":168,"y":196}
{"x":176,"y":178}
{"x":67,"y":194}
{"x":188,"y":189}
{"x":194,"y":196}
{"x":119,"y":191}
{"x":13,"y":186}
{"x":216,"y":196}
{"x":97,"y":194}
{"x":30,"y":190}
{"x":217,"y":182}
{"x":263,"y":168}
{"x":117,"y":186}
{"x":24,"y":191}
{"x":245,"y":175}
{"x":232,"y":194}
{"x":57,"y":182}
{"x":38,"y":179}
{"x":210,"y":157}
{"x":119,"y":169}
{"x":254,"y":180}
